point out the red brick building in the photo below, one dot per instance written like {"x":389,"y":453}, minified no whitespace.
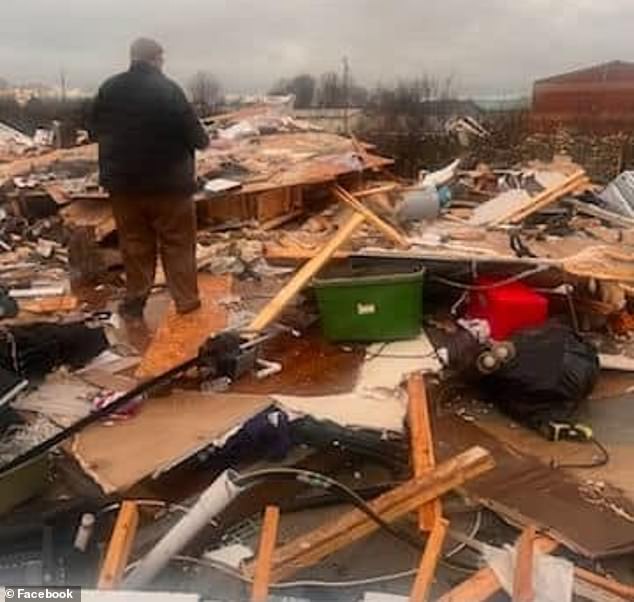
{"x":600,"y":97}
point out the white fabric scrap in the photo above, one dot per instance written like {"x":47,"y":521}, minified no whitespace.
{"x":552,"y":576}
{"x":232,"y":555}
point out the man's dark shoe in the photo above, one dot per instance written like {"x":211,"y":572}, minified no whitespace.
{"x":188,"y":308}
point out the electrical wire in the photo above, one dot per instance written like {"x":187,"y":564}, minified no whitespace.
{"x":321,"y":481}
{"x":404,"y":356}
{"x":318,"y":480}
{"x":152,"y":503}
{"x":477,"y":523}
{"x":601,"y":461}
{"x":233,"y":572}
{"x":486,"y":287}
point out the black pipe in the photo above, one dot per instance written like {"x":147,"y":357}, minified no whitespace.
{"x":93,"y":417}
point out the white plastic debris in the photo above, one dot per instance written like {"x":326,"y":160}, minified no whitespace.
{"x":552,"y":576}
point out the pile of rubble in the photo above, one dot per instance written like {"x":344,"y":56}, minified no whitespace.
{"x":313,"y":430}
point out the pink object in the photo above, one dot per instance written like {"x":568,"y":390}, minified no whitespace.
{"x":507,"y":308}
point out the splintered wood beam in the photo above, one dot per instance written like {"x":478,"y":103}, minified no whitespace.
{"x":120,"y":546}
{"x":301,"y":278}
{"x":523,"y":590}
{"x":262,"y":572}
{"x":543,"y":199}
{"x":390,"y":232}
{"x":422,"y":445}
{"x":429,"y":561}
{"x":354,"y":525}
{"x":611,"y":586}
{"x":574,"y":187}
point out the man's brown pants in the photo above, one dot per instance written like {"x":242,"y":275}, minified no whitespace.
{"x":165,"y":224}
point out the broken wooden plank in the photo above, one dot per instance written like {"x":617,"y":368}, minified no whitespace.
{"x":423,"y":458}
{"x":268,"y":538}
{"x":276,"y":222}
{"x":547,"y":196}
{"x":575,"y":187}
{"x":354,"y":525}
{"x":626,"y":592}
{"x":497,"y":207}
{"x":523,"y":590}
{"x":179,"y":337}
{"x":390,"y":232}
{"x":484,"y":584}
{"x":54,"y":290}
{"x":120,"y":546}
{"x":385,"y":188}
{"x":608,"y":216}
{"x":49,"y":305}
{"x":429,"y":561}
{"x":57,"y":193}
{"x":301,"y":278}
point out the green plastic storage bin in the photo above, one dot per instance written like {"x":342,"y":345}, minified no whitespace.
{"x":370,"y":304}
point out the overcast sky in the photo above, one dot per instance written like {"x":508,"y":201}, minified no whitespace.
{"x":489,"y":46}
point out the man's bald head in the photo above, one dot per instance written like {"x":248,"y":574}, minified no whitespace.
{"x":146,"y":50}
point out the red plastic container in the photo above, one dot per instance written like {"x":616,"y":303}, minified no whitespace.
{"x":507,"y":308}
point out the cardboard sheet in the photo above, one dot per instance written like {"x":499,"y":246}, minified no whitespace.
{"x":527,"y":491}
{"x":165,"y":431}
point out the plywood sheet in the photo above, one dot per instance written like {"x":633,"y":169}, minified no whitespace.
{"x":499,"y":206}
{"x":164,"y":432}
{"x":527,"y":491}
{"x":179,"y":337}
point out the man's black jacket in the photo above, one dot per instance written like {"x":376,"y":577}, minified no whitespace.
{"x":147,"y":133}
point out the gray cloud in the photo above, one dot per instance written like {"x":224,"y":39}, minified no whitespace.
{"x":488,"y":46}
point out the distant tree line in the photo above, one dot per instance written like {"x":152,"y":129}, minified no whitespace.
{"x":406,"y":96}
{"x":329,"y":90}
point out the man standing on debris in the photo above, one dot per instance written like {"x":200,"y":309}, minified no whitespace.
{"x":148,"y":133}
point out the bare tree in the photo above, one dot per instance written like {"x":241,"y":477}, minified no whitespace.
{"x":206,"y":92}
{"x":332,"y":91}
{"x":4,"y":84}
{"x":302,"y":86}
